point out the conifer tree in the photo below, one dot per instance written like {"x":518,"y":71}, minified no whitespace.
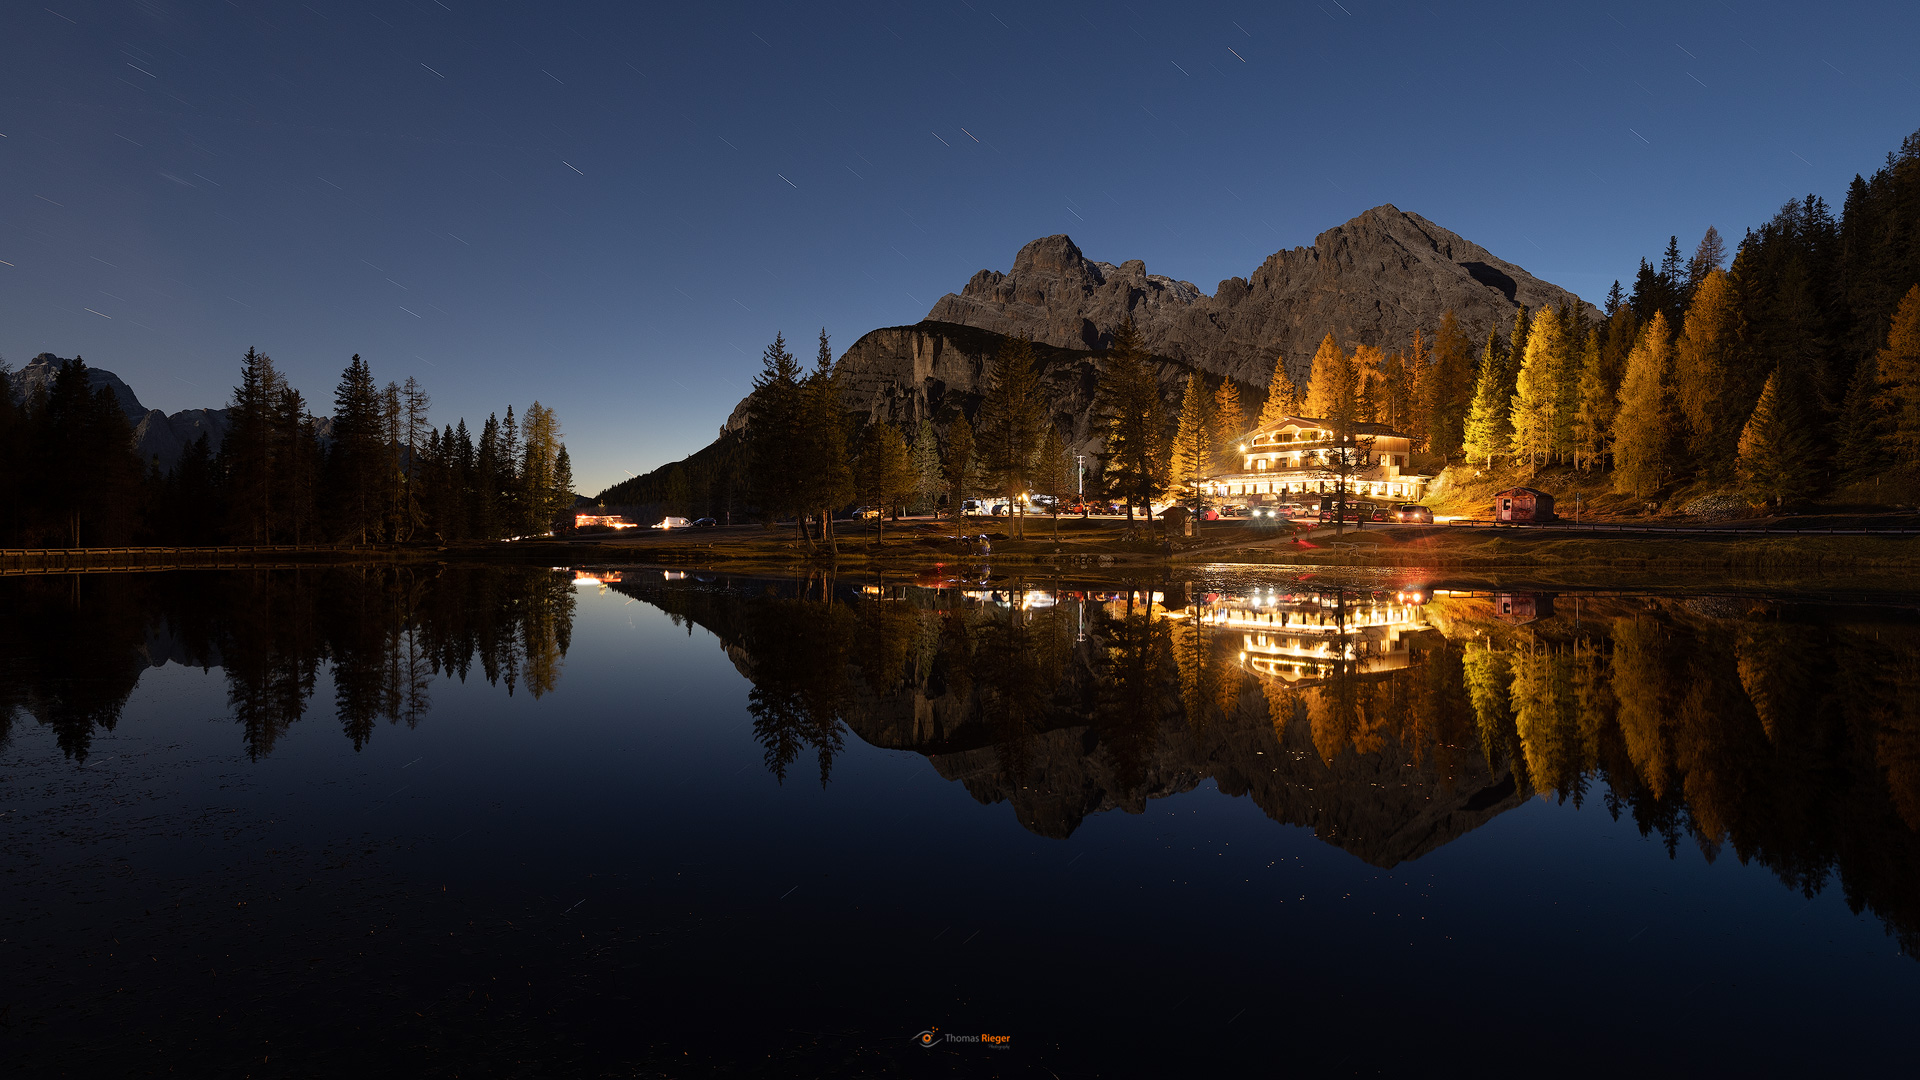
{"x":246,"y":452}
{"x":1194,"y":441}
{"x":1011,"y":424}
{"x":1899,"y":371}
{"x":926,"y":467}
{"x":884,"y":476}
{"x":1593,"y":414}
{"x":1373,"y":395}
{"x":1863,"y":431}
{"x":1331,"y":369}
{"x":774,"y":435}
{"x":563,"y":484}
{"x":1645,"y":428}
{"x":826,"y":469}
{"x":1614,"y":299}
{"x":1134,"y":416}
{"x":1450,"y":387}
{"x":1054,"y":474}
{"x":1706,"y":259}
{"x":356,"y":464}
{"x":1418,"y":422}
{"x":485,"y":499}
{"x":1704,"y":359}
{"x":1487,"y":432}
{"x":1775,"y":462}
{"x":1229,"y":421}
{"x":1283,"y":397}
{"x":1535,"y":391}
{"x":512,"y":497}
{"x":958,"y":468}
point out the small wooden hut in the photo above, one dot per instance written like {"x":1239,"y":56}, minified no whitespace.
{"x":1522,"y":504}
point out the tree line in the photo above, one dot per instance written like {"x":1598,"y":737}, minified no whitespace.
{"x":375,"y":470}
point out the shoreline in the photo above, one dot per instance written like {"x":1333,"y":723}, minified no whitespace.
{"x":1100,"y":547}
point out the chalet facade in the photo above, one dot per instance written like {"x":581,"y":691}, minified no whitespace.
{"x":1289,"y":459}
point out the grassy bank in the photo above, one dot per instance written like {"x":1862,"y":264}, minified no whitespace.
{"x":924,"y":546}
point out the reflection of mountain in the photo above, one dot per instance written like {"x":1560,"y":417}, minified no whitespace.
{"x":1789,"y":735}
{"x":1023,"y":710}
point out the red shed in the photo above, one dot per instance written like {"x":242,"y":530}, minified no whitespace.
{"x":1522,"y":504}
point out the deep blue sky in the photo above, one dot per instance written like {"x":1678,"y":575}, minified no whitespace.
{"x":613,"y":207}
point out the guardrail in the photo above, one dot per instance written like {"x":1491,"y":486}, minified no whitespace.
{"x":1717,"y":530}
{"x":109,"y":559}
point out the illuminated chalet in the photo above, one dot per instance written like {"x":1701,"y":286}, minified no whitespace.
{"x":1291,"y":458}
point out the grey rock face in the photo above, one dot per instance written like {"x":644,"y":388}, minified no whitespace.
{"x":936,"y":371}
{"x":156,"y":435}
{"x":38,"y":375}
{"x":1371,"y":281}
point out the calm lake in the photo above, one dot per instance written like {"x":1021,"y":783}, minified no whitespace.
{"x":497,"y":821}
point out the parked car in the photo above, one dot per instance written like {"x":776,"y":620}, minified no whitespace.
{"x":971,"y":508}
{"x":865,"y":513}
{"x":672,"y":523}
{"x":1413,"y":513}
{"x":1355,"y":511}
{"x":703,"y":523}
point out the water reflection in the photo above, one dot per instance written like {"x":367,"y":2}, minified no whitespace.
{"x":72,"y":648}
{"x":1389,"y":722}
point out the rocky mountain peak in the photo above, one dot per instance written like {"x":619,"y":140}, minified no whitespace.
{"x":1372,"y":280}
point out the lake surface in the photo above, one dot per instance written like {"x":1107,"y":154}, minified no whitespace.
{"x":530,"y":822}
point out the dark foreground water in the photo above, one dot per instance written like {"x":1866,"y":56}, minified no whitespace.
{"x":508,"y":822}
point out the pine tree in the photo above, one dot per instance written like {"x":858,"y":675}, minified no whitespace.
{"x":246,"y":452}
{"x":512,"y":496}
{"x":1193,"y":443}
{"x":958,"y":469}
{"x":1776,"y":446}
{"x":1706,"y":259}
{"x":826,"y":468}
{"x":883,"y":475}
{"x":1535,"y":391}
{"x":1614,"y":299}
{"x":1283,"y":398}
{"x":563,"y":484}
{"x":1704,"y":359}
{"x":926,"y":467}
{"x":1134,"y":416}
{"x":1331,"y":369}
{"x":1010,"y":425}
{"x":1645,"y":428}
{"x":1673,"y":283}
{"x":1593,"y":414}
{"x":1487,"y":432}
{"x":1419,"y":419}
{"x":1899,"y":374}
{"x":1373,"y":392}
{"x":1054,"y":474}
{"x":1229,"y":421}
{"x":355,"y":465}
{"x":1450,"y":387}
{"x":1863,"y":430}
{"x":774,"y":436}
{"x":485,"y":498}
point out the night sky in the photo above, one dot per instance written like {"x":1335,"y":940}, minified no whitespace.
{"x":611,"y":208}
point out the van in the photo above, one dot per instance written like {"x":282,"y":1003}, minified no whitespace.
{"x":673,"y":523}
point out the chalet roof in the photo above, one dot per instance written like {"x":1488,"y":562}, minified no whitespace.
{"x":1360,"y":427}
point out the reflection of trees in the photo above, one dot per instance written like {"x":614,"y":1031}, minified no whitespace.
{"x":1132,"y":674}
{"x":79,"y":643}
